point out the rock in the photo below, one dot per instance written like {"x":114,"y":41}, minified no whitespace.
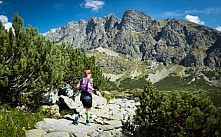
{"x":50,"y":97}
{"x":66,"y":91}
{"x":70,"y":117}
{"x":112,"y":101}
{"x":64,"y":125}
{"x":35,"y":133}
{"x":105,"y":116}
{"x":94,"y":134}
{"x":114,"y":125}
{"x":51,"y":110}
{"x":119,"y":132}
{"x":213,"y":59}
{"x":99,"y":121}
{"x":78,"y":103}
{"x":69,"y":102}
{"x":105,"y":134}
{"x":57,"y":134}
{"x":98,"y":101}
{"x":160,"y":74}
{"x":107,"y":120}
{"x":83,"y":134}
{"x":118,"y":114}
{"x":113,"y":77}
{"x":105,"y":109}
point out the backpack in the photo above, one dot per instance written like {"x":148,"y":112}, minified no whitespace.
{"x":84,"y":84}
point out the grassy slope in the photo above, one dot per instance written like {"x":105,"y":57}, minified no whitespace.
{"x":173,"y":82}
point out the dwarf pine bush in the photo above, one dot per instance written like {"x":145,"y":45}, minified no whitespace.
{"x":30,"y":65}
{"x":180,"y":113}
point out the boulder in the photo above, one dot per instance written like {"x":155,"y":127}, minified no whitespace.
{"x":66,"y":90}
{"x":57,"y":134}
{"x":69,"y":102}
{"x":51,"y":110}
{"x":98,"y":100}
{"x":50,"y":97}
{"x":64,"y":125}
{"x":35,"y":133}
{"x":107,"y":120}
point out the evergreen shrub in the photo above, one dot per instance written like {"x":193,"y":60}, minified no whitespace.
{"x":181,"y":113}
{"x":31,"y":66}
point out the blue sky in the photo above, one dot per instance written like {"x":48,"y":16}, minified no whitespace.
{"x":48,"y":14}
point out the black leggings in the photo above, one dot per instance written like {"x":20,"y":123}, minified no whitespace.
{"x":86,"y":99}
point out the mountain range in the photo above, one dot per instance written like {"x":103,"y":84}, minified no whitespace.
{"x":173,"y":54}
{"x":143,"y":38}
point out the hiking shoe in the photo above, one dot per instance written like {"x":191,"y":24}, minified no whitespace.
{"x":76,"y":120}
{"x":88,"y":124}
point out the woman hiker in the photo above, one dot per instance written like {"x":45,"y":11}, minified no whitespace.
{"x":86,"y":88}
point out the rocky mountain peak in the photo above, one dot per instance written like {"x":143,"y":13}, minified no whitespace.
{"x":135,"y":20}
{"x":110,"y":16}
{"x":110,"y":22}
{"x":135,"y":14}
{"x":137,"y":35}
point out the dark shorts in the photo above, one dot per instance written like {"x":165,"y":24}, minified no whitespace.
{"x":86,"y":99}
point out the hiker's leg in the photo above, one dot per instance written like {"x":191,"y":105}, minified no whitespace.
{"x":80,"y":114}
{"x":77,"y":118}
{"x":87,"y":115}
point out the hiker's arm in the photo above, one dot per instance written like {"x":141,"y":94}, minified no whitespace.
{"x":90,"y":82}
{"x":95,"y":91}
{"x":90,"y":87}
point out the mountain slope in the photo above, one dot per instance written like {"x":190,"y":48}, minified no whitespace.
{"x":137,"y":35}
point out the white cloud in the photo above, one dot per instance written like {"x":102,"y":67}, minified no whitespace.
{"x":58,"y":6}
{"x":194,"y":19}
{"x":204,"y":11}
{"x":172,"y":14}
{"x":4,"y":20}
{"x":218,"y":28}
{"x":1,"y":2}
{"x":95,"y":5}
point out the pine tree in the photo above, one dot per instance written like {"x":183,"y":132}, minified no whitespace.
{"x":17,"y":24}
{"x":30,"y":64}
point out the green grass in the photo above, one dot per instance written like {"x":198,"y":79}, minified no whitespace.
{"x":113,"y":86}
{"x":172,"y":83}
{"x":176,"y":83}
{"x":129,"y":84}
{"x":14,"y":123}
{"x":118,"y":62}
{"x":212,"y":74}
{"x":159,"y":68}
{"x":178,"y":70}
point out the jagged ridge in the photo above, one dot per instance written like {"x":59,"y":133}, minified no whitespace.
{"x":138,"y":35}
